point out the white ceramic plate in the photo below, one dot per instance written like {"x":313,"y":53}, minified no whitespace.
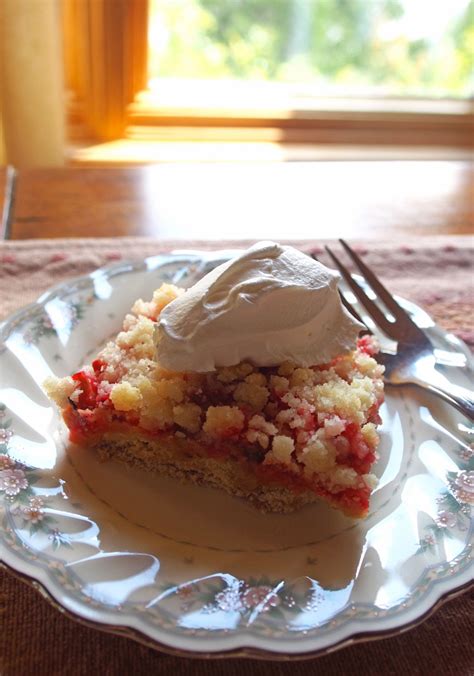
{"x":190,"y":569}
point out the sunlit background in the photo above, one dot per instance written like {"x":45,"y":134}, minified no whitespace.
{"x":389,"y":48}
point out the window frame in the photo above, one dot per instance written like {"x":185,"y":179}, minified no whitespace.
{"x":106,"y":79}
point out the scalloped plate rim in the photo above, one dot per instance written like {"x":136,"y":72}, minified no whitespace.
{"x":243,"y":651}
{"x":438,"y":594}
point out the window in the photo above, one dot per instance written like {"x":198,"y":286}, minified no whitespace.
{"x":312,"y":48}
{"x":395,"y":72}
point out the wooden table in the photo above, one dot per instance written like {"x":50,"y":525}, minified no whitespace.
{"x":244,"y":200}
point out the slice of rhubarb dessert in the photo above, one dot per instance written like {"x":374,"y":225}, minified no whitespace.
{"x":253,"y":380}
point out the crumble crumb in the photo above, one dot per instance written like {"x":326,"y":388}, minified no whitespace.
{"x":286,"y":369}
{"x":282,"y":448}
{"x":59,"y":389}
{"x":254,"y":395}
{"x":255,"y":437}
{"x":228,"y":374}
{"x":224,"y":421}
{"x":280,"y":385}
{"x":161,"y":297}
{"x":369,"y":434}
{"x":258,"y":422}
{"x":125,"y":397}
{"x":188,"y":416}
{"x":319,"y":455}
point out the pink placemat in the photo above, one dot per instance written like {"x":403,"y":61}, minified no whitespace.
{"x":36,"y":638}
{"x":436,"y":273}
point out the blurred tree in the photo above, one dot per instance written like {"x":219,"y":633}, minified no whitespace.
{"x":254,"y":32}
{"x":323,"y":42}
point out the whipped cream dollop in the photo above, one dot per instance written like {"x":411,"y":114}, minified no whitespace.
{"x":268,"y":305}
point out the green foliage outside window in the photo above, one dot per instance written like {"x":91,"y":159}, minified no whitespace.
{"x":333,"y":45}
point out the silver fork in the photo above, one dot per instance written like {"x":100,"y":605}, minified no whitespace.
{"x":414,"y":361}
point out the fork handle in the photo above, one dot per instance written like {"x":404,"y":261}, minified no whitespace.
{"x":457,"y":396}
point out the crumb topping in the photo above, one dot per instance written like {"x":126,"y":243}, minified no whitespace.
{"x":318,"y":423}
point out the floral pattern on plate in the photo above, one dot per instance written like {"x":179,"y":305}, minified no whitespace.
{"x":174,"y":562}
{"x":17,"y":483}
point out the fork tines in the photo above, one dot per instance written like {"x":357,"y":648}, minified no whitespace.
{"x":344,"y":300}
{"x":403,"y":328}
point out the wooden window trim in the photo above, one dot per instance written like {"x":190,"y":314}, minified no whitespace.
{"x":105,"y":58}
{"x":362,"y":122}
{"x":106,"y":74}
